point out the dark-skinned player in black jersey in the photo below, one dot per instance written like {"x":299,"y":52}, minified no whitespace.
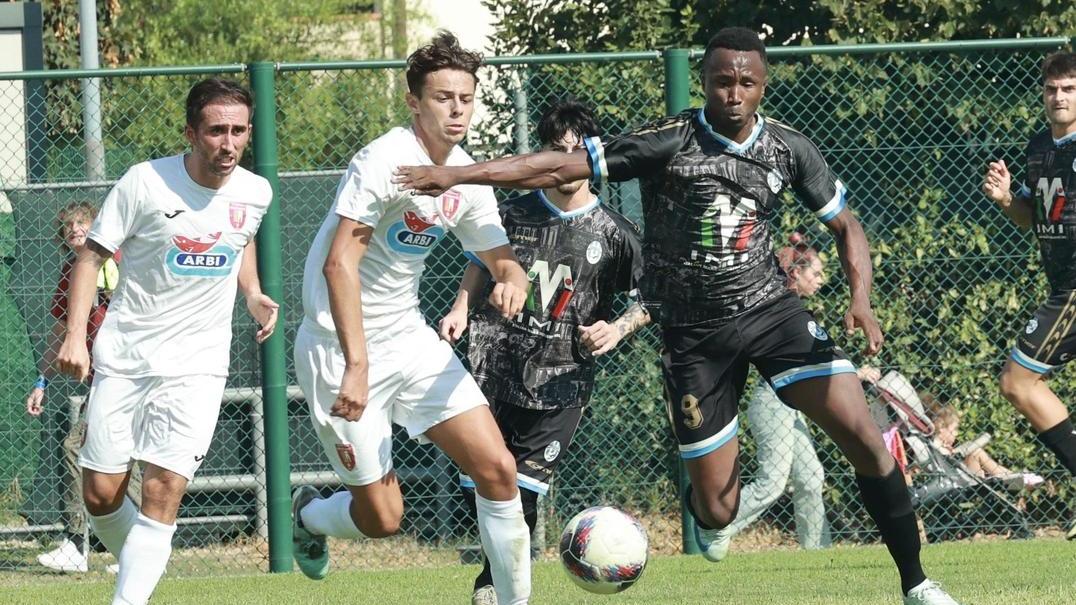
{"x":1045,"y":203}
{"x":711,"y":181}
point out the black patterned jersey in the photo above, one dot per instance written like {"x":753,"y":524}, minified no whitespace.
{"x":1049,"y":185}
{"x":707,"y":206}
{"x":576,"y":263}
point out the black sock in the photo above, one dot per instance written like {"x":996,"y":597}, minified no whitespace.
{"x":75,"y":539}
{"x":691,"y":507}
{"x":887,"y":501}
{"x":530,"y":515}
{"x":1061,"y":439}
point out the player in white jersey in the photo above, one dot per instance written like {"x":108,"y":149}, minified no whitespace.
{"x":186,"y":225}
{"x":364,"y":356}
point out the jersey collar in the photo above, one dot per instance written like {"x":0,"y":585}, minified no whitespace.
{"x":730,"y":145}
{"x":1068,"y":138}
{"x":566,"y":215}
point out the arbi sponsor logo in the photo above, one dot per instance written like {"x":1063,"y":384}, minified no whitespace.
{"x":414,"y":234}
{"x":200,"y":256}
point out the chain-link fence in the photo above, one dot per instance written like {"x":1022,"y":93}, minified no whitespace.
{"x":908,"y":128}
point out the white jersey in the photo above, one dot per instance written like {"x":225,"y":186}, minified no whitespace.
{"x":406,"y":228}
{"x":171,"y":314}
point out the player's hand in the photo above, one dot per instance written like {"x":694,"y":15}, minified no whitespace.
{"x":351,"y":400}
{"x":862,"y":317}
{"x":453,"y":326}
{"x":35,"y":401}
{"x":996,"y":183}
{"x":600,"y":337}
{"x":264,"y":311}
{"x":74,"y":358}
{"x":424,"y":180}
{"x":869,"y":374}
{"x":508,"y":298}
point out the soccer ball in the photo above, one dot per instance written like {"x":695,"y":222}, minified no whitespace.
{"x":603,"y":550}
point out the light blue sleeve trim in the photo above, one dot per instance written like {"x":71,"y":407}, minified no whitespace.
{"x":596,"y":152}
{"x":471,"y":256}
{"x":1035,"y":366}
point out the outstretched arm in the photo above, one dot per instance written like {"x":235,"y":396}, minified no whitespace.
{"x":529,"y":171}
{"x":855,"y":259}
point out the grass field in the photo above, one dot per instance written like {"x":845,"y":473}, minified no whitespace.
{"x":1039,"y":572}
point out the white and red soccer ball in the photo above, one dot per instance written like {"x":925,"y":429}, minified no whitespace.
{"x":604,"y":550}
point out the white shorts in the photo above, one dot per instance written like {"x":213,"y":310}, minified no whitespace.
{"x":163,"y":420}
{"x":415,"y":381}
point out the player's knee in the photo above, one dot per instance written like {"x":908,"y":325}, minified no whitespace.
{"x":101,"y":498}
{"x":498,"y":473}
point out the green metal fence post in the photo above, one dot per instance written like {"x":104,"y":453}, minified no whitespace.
{"x":274,"y":372}
{"x":677,"y":99}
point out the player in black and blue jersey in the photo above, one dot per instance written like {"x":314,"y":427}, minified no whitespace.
{"x":711,"y":180}
{"x":1046,"y":204}
{"x":537,"y":368}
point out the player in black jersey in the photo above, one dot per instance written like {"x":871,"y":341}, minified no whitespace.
{"x":537,"y":368}
{"x":1046,"y":204}
{"x":711,"y":180}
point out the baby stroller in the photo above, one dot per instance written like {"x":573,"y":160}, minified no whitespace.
{"x":952,"y":501}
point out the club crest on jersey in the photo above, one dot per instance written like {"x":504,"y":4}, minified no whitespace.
{"x":1032,"y":326}
{"x":774,"y":181}
{"x":817,"y":331}
{"x":450,"y":204}
{"x":346,"y":452}
{"x":237,"y":214}
{"x":200,"y":256}
{"x":415,"y":234}
{"x":594,"y":252}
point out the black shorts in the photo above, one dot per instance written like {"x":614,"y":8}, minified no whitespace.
{"x":1049,"y":338}
{"x":706,"y":367}
{"x":537,"y":439}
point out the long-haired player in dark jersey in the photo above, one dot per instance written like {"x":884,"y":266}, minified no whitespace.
{"x":711,"y":181}
{"x":537,"y":368}
{"x":1046,"y":204}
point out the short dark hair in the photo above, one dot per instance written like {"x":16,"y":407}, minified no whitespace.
{"x":215,"y":90}
{"x":1059,"y":65}
{"x":567,"y":116}
{"x":735,"y":38}
{"x":444,"y":52}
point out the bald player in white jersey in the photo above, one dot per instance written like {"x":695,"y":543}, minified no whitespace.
{"x":364,"y":356}
{"x":186,"y":225}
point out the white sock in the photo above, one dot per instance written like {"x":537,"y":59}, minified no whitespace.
{"x":507,"y":543}
{"x":112,"y":529}
{"x":142,"y":560}
{"x":331,"y":517}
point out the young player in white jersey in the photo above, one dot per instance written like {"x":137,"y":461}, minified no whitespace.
{"x":186,"y":225}
{"x":364,"y":356}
